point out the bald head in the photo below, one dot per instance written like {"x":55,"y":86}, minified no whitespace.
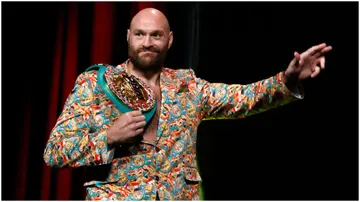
{"x":149,"y":38}
{"x":150,"y":16}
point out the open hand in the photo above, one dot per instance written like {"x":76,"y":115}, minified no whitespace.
{"x":307,"y":64}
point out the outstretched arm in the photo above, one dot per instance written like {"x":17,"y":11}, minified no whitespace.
{"x":223,"y":101}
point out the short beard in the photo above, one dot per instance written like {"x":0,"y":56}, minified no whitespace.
{"x":153,"y":65}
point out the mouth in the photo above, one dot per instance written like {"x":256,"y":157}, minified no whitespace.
{"x":147,"y":53}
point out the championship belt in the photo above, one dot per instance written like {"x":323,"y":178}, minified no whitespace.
{"x":127,"y":92}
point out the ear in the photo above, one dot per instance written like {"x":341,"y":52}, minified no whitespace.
{"x":170,"y":39}
{"x":128,"y":35}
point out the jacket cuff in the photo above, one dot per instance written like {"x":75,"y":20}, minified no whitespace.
{"x":300,"y":90}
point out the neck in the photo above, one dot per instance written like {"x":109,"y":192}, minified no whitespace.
{"x":150,"y":77}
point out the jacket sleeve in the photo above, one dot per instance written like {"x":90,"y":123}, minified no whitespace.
{"x":223,"y":101}
{"x":73,"y":141}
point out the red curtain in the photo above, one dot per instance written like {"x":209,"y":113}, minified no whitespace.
{"x":101,"y":52}
{"x":54,"y":98}
{"x":69,"y":68}
{"x":23,"y":154}
{"x":104,"y":13}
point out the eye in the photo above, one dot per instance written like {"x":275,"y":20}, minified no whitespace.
{"x":138,"y":34}
{"x":156,"y":36}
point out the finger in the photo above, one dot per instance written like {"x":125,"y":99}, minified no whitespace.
{"x":326,"y":50}
{"x":135,"y":113}
{"x":137,"y":125}
{"x":323,"y":51}
{"x":140,"y":124}
{"x":299,"y":58}
{"x":322,"y":62}
{"x":131,"y":116}
{"x":316,"y":72}
{"x":313,"y":50}
{"x":139,"y":131}
{"x":138,"y":118}
{"x":296,"y":58}
{"x":131,"y":131}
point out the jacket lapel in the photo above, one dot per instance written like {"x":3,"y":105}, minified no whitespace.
{"x":168,"y":85}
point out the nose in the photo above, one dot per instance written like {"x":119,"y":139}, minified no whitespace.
{"x":147,"y":41}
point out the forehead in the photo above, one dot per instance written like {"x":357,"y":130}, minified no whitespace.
{"x":149,"y":23}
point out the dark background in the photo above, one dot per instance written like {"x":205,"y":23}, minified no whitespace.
{"x":306,"y":150}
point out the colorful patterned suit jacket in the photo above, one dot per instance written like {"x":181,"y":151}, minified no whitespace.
{"x":139,"y":171}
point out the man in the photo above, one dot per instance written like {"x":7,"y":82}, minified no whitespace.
{"x":157,"y":159}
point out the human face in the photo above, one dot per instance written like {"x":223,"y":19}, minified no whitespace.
{"x":148,"y":43}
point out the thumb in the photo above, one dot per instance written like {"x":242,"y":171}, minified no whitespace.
{"x":295,"y":60}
